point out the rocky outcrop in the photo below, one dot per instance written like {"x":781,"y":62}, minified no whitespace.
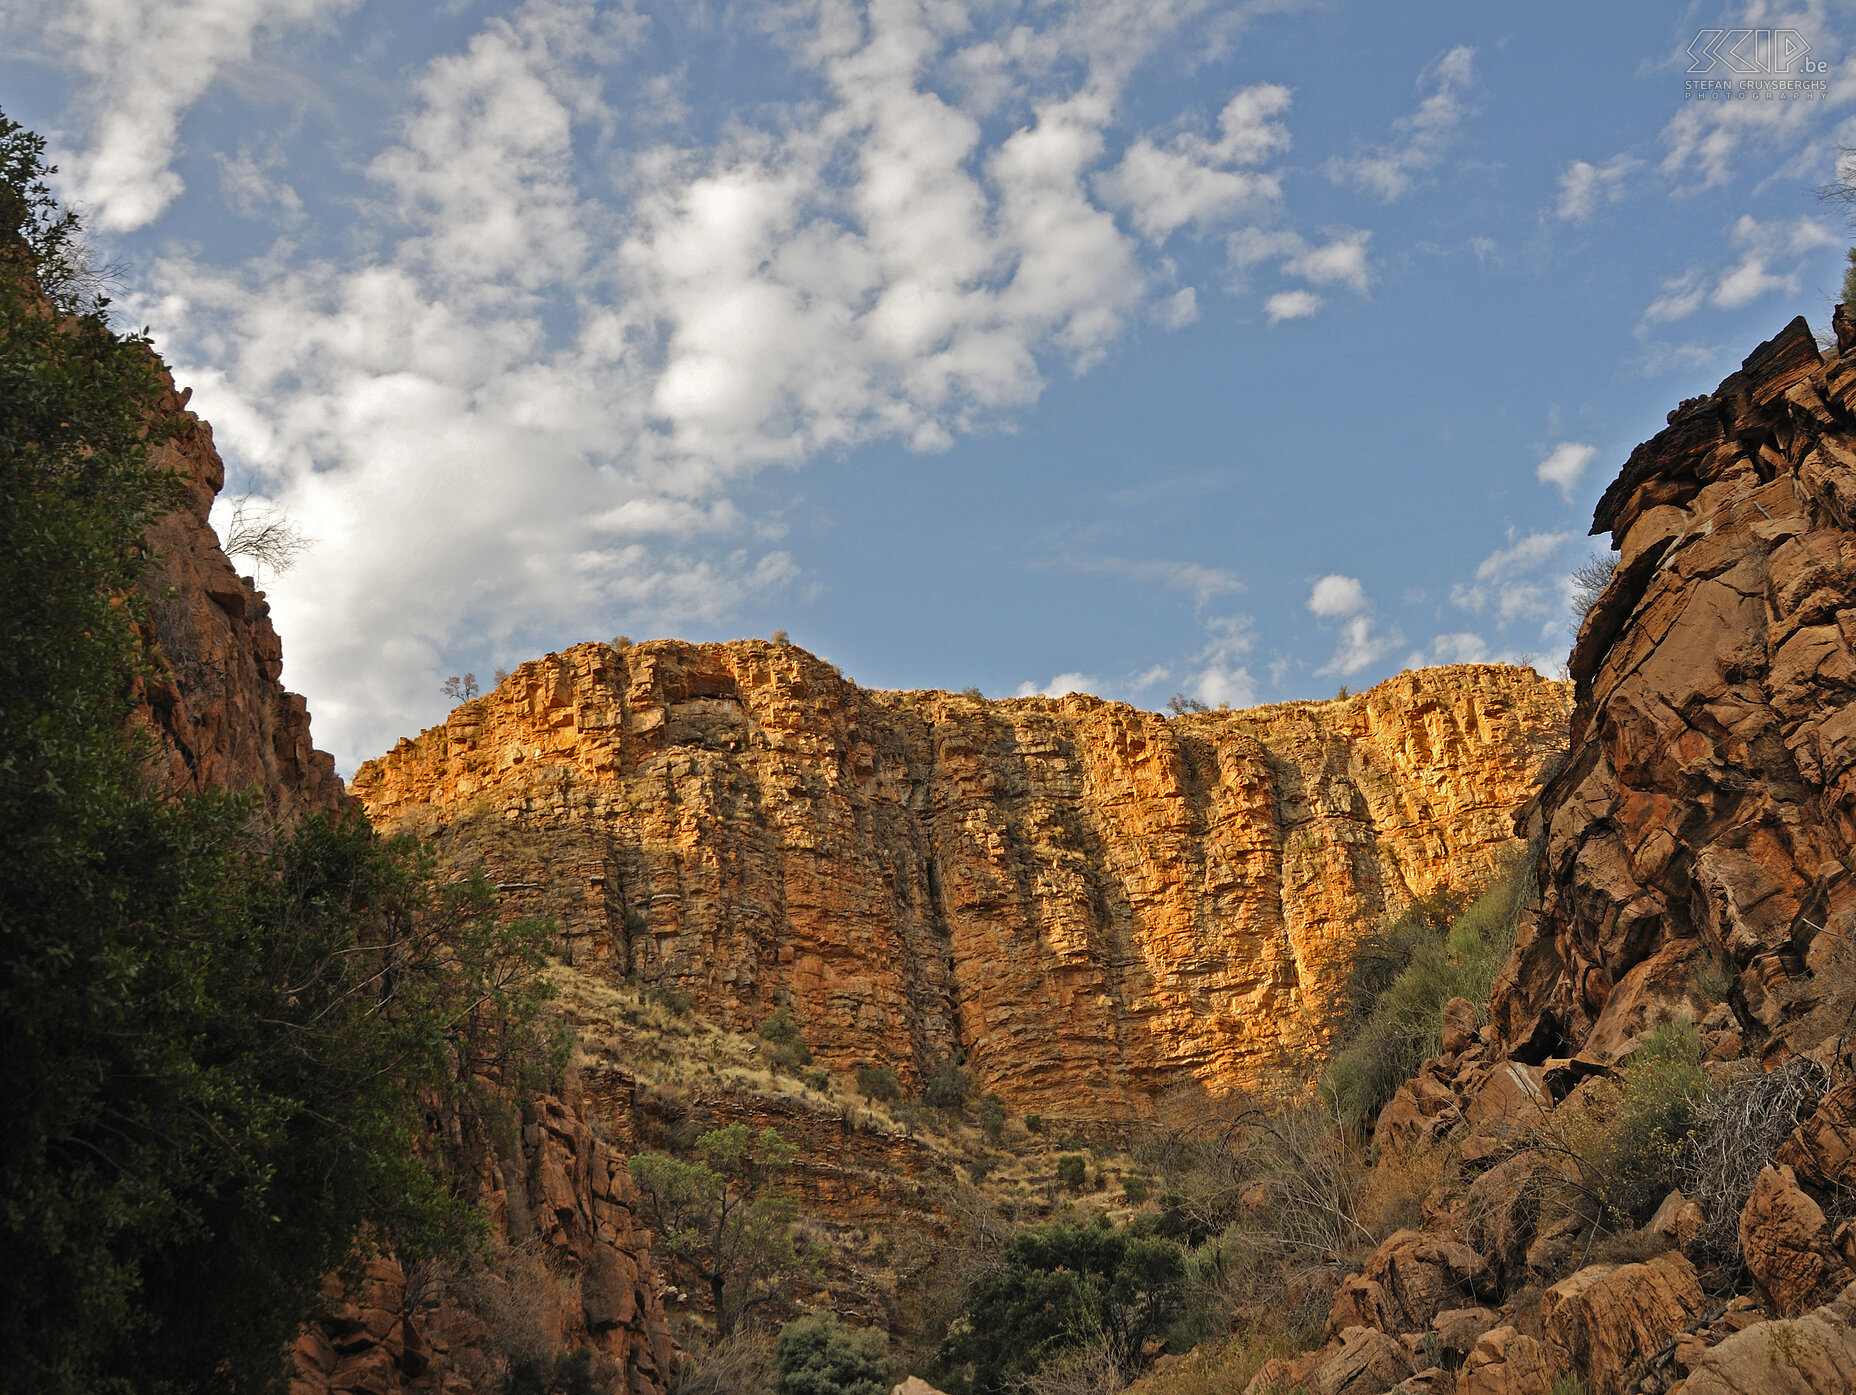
{"x":1087,"y":902}
{"x":215,"y":705}
{"x":1708,"y":808}
{"x":575,"y":1272}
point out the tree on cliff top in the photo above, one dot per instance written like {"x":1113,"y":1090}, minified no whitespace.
{"x":720,"y":1220}
{"x":222,"y":1045}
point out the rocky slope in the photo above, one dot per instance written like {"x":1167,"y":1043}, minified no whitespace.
{"x":219,"y":715}
{"x":1085,"y":902}
{"x":1708,"y":811}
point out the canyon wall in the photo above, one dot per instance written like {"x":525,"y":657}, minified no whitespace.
{"x":1085,"y":902}
{"x":215,"y":705}
{"x":1704,"y":822}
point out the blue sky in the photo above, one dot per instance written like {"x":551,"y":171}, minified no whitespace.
{"x":1241,"y":350}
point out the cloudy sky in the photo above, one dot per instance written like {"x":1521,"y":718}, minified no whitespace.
{"x":1138,"y":346}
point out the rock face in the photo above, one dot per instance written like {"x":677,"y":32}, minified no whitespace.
{"x":1708,"y":809}
{"x":1088,"y":902}
{"x":218,"y":714}
{"x":562,"y":1198}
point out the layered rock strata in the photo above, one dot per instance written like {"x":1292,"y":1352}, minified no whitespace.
{"x":1707,"y":813}
{"x":1085,"y":902}
{"x":215,"y":704}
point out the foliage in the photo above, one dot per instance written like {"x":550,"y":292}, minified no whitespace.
{"x":781,"y":1033}
{"x":879,"y":1083}
{"x":224,"y":1044}
{"x":1400,"y":980}
{"x":947,"y":1088}
{"x":1589,"y":581}
{"x":1180,"y":705}
{"x":570,"y":1373}
{"x":1035,"y":1123}
{"x":992,"y":1116}
{"x":461,"y":689}
{"x":1072,"y":1171}
{"x":1059,"y":1288}
{"x":819,"y":1355}
{"x":1134,"y":1187}
{"x":1627,"y":1146}
{"x":721,"y":1222}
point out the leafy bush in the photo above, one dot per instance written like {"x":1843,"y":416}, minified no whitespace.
{"x":1072,"y":1171}
{"x":1060,"y":1288}
{"x":819,"y":1355}
{"x":992,"y":1116}
{"x":1400,"y":980}
{"x":1035,"y":1123}
{"x":781,"y":1033}
{"x":1135,"y":1189}
{"x":1628,"y":1144}
{"x":879,"y":1083}
{"x":947,"y":1088}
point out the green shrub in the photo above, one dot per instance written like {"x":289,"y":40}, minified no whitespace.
{"x":1035,"y":1123}
{"x":787,"y":1050}
{"x":570,"y":1374}
{"x":1060,"y":1288}
{"x":819,"y":1081}
{"x":979,"y":1169}
{"x":819,"y":1355}
{"x":677,"y":1004}
{"x":947,"y":1088}
{"x":1135,"y":1189}
{"x":1401,"y":979}
{"x":878,"y":1083}
{"x":992,"y":1116}
{"x":1072,"y":1171}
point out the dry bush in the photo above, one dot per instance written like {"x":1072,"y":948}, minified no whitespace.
{"x":1391,"y":1195}
{"x":1735,"y":1138}
{"x":736,"y":1365}
{"x":1218,"y":1370}
{"x":1090,"y":1369}
{"x":522,"y":1301}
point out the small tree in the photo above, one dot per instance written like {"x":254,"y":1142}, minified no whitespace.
{"x":879,"y":1083}
{"x":819,"y":1355}
{"x":721,"y":1221}
{"x":947,"y":1088}
{"x":1179,"y":705}
{"x":992,"y":1116}
{"x":265,"y":534}
{"x":461,"y":689}
{"x":781,"y":1033}
{"x":1072,"y":1171}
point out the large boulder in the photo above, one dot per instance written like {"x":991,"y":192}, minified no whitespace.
{"x":1786,"y":1242}
{"x":1367,"y":1363}
{"x":1505,"y":1361}
{"x":1608,"y":1318}
{"x":1503,"y":1211}
{"x":1814,"y":1354}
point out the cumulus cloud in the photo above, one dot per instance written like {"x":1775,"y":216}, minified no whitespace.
{"x":1420,"y":139}
{"x":1197,"y":181}
{"x":1565,"y":466}
{"x":1682,"y":296}
{"x":144,"y":64}
{"x":1291,"y":305}
{"x":1060,"y":685}
{"x":516,"y":419}
{"x":1585,"y":187}
{"x":1459,"y":648}
{"x":1519,"y":582}
{"x":1361,"y":643}
{"x":1219,"y":676}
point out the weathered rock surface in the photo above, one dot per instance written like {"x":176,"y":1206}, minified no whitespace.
{"x":1709,"y":804}
{"x":564,"y":1192}
{"x":1785,"y":1240}
{"x":1810,"y":1355}
{"x":1090,"y":902}
{"x":215,"y":706}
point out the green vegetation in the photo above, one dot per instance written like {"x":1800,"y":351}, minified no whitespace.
{"x":819,"y":1355}
{"x":1072,"y":1171}
{"x":781,"y":1033}
{"x":720,"y":1220}
{"x":947,"y":1088}
{"x":992,"y":1117}
{"x":879,"y":1083}
{"x":1061,"y":1288}
{"x":1400,"y":980}
{"x":225,"y":1046}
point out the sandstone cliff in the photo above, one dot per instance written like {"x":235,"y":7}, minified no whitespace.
{"x":215,"y":706}
{"x":1086,"y":902}
{"x":1708,"y":809}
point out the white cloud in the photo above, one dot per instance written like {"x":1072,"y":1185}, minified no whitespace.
{"x":1459,"y":648}
{"x":1060,"y":685}
{"x":516,"y":419}
{"x":1682,"y":296}
{"x":1202,"y":583}
{"x":146,"y":62}
{"x":1421,"y":138}
{"x":1291,"y":305}
{"x":1197,"y":181}
{"x":1565,"y":466}
{"x":1341,"y":260}
{"x":252,"y":190}
{"x":1516,"y":582}
{"x":1584,"y":187}
{"x":1219,"y":677}
{"x":1335,"y":595}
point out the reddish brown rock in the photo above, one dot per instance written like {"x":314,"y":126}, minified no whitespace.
{"x":1405,"y":1283}
{"x":1811,"y":1355}
{"x":215,"y":706}
{"x":1091,"y":902}
{"x":1606,"y":1320}
{"x":1366,"y":1363}
{"x":1505,"y":1361}
{"x":1708,"y":808}
{"x":1786,"y":1242}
